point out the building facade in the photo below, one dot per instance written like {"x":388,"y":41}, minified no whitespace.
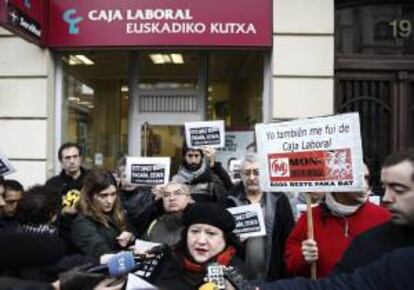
{"x":127,"y":103}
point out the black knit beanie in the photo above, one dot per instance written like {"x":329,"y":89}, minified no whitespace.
{"x":211,"y":214}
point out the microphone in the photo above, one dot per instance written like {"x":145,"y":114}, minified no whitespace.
{"x":118,"y":265}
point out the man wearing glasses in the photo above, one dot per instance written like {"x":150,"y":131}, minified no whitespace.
{"x":264,"y":255}
{"x":167,"y":228}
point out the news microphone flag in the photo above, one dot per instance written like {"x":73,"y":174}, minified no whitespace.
{"x":121,"y":264}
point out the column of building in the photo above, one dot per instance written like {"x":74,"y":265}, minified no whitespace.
{"x":303,"y":58}
{"x":26,"y":96}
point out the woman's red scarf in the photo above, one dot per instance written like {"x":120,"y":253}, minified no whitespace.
{"x":223,"y":258}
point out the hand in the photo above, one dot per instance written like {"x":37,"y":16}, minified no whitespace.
{"x":78,"y":279}
{"x":210,"y":153}
{"x":158,"y":191}
{"x":106,"y":284}
{"x":69,"y":210}
{"x":124,"y":239}
{"x":310,"y":251}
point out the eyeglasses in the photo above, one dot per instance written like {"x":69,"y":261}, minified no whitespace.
{"x":249,"y":172}
{"x":176,"y":193}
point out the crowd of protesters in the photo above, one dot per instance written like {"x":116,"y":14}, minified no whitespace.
{"x":51,"y":233}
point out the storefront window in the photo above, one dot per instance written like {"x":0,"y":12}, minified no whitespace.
{"x":167,"y":89}
{"x":235,"y":88}
{"x":375,"y":29}
{"x":95,"y":104}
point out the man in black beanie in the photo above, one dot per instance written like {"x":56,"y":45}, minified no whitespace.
{"x":198,"y":170}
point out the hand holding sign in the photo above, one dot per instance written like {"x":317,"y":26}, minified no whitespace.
{"x":210,"y":154}
{"x":310,"y":251}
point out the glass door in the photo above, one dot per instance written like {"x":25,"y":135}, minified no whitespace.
{"x":168,"y":90}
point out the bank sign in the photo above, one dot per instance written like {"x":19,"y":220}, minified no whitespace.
{"x":160,"y":23}
{"x":26,"y":18}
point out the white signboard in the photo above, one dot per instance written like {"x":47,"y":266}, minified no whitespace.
{"x":6,"y":167}
{"x":316,"y":154}
{"x":148,"y":170}
{"x":201,"y":134}
{"x":249,"y":220}
{"x":236,"y":147}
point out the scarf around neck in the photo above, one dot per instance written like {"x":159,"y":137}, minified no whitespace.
{"x":224,"y":258}
{"x":187,"y":176}
{"x":340,"y":209}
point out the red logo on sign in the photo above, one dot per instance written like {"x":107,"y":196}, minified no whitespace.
{"x":279,"y":167}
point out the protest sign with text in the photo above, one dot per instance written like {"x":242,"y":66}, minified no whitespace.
{"x":5,"y":166}
{"x":201,"y":134}
{"x":316,"y":154}
{"x":148,"y":170}
{"x":249,"y":220}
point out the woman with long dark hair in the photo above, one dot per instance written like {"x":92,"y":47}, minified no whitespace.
{"x":100,"y":226}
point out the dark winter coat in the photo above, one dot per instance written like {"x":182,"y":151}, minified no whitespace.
{"x":394,"y":271}
{"x":172,"y":275}
{"x":279,"y":222}
{"x":373,"y":244}
{"x":93,"y":238}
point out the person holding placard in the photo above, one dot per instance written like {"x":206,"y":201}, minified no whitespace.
{"x":100,"y":226}
{"x":167,"y":228}
{"x":264,"y":255}
{"x":138,"y":201}
{"x":337,"y":220}
{"x":196,"y":172}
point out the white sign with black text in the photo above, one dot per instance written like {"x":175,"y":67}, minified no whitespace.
{"x":202,"y":134}
{"x":148,"y":171}
{"x":249,"y":220}
{"x":311,"y":155}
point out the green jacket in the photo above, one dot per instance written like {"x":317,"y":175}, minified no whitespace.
{"x":92,"y":238}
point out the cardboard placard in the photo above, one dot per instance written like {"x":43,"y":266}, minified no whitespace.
{"x":202,"y":134}
{"x":316,"y":154}
{"x":6,"y":167}
{"x":249,"y":220}
{"x":148,"y":171}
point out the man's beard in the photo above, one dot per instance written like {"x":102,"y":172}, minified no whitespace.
{"x":191,"y":166}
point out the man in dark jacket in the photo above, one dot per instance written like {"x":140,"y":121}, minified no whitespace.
{"x":69,"y":183}
{"x":394,"y":271}
{"x":264,"y":255}
{"x":197,"y":172}
{"x":397,"y":177}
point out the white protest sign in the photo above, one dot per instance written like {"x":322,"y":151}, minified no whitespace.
{"x":236,"y":143}
{"x":6,"y":167}
{"x":249,"y":220}
{"x":316,"y":154}
{"x":201,"y":134}
{"x":137,"y":283}
{"x":144,"y":246}
{"x":148,"y":170}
